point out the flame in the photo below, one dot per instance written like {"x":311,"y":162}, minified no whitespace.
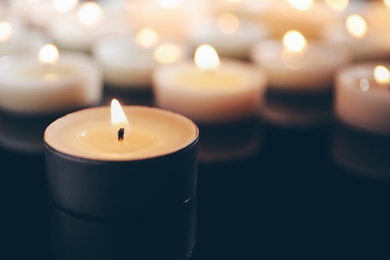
{"x":206,"y":57}
{"x":356,"y":26}
{"x":294,"y":41}
{"x":167,"y":53}
{"x":118,"y":119}
{"x":146,"y":38}
{"x":381,"y":74}
{"x":64,"y":5}
{"x":338,"y":5}
{"x":5,"y":31}
{"x":302,"y":5}
{"x":48,"y":54}
{"x":90,"y":13}
{"x":168,"y":3}
{"x":228,"y":23}
{"x":387,"y":3}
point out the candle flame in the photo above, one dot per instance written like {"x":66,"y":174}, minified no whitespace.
{"x":167,"y":53}
{"x":48,"y":54}
{"x":90,"y":13}
{"x":228,"y":23}
{"x":381,"y":74}
{"x":5,"y":31}
{"x":206,"y":57}
{"x":387,"y":3}
{"x":119,"y":123}
{"x":168,"y":3}
{"x":146,"y":38}
{"x":294,"y":41}
{"x":338,"y":5}
{"x":356,"y":26}
{"x":301,"y":5}
{"x":64,"y":5}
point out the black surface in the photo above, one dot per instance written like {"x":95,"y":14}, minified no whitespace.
{"x":288,"y":199}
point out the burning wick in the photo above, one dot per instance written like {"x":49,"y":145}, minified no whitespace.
{"x":121,"y":133}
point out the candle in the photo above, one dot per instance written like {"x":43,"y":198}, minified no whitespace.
{"x":142,"y":163}
{"x":127,"y":61}
{"x":79,"y":30}
{"x":294,"y":65}
{"x":364,"y":41}
{"x":230,"y":36}
{"x":363,"y":97}
{"x":210,"y":90}
{"x":49,"y":83}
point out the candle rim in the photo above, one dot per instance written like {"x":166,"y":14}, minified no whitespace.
{"x":49,"y":138}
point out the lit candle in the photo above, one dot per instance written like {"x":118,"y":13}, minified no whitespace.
{"x":142,"y":163}
{"x":364,"y":41}
{"x":230,"y":36}
{"x":127,"y":61}
{"x":363,"y":97}
{"x":79,"y":30}
{"x":296,"y":65}
{"x":210,"y":90}
{"x":49,"y":83}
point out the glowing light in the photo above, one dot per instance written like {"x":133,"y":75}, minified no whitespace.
{"x":338,"y":5}
{"x":118,"y":120}
{"x":381,"y":74}
{"x":302,"y":5}
{"x":5,"y":31}
{"x":146,"y":38}
{"x":206,"y":57}
{"x":228,"y":23}
{"x":168,"y":3}
{"x":387,"y":3}
{"x":294,"y":41}
{"x":48,"y":54}
{"x":167,"y":53}
{"x":90,"y":13}
{"x":64,"y":5}
{"x":364,"y":85}
{"x":356,"y":26}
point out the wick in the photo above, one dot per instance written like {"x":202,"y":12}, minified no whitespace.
{"x":121,"y":133}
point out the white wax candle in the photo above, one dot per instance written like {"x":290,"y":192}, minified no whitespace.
{"x":127,"y":61}
{"x":32,"y":86}
{"x":207,"y":92}
{"x":363,"y":98}
{"x":363,"y":41}
{"x":152,"y":132}
{"x":295,"y":65}
{"x":230,"y":36}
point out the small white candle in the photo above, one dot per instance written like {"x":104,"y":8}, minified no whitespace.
{"x":210,"y":90}
{"x":79,"y":30}
{"x":127,"y":61}
{"x":364,"y":41}
{"x":296,"y":65}
{"x":48,"y":83}
{"x":363,"y":96}
{"x":230,"y":36}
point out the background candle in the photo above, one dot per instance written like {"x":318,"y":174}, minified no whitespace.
{"x":128,"y":60}
{"x":295,"y":65}
{"x":49,"y":83}
{"x":363,"y":96}
{"x":154,"y":169}
{"x":210,"y":92}
{"x":230,"y":36}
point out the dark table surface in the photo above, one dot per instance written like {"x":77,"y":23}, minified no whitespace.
{"x":267,"y":189}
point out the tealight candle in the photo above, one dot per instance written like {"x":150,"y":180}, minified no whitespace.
{"x":363,"y":97}
{"x":49,"y":83}
{"x":295,"y":65}
{"x":210,"y":90}
{"x":127,"y":61}
{"x":140,"y":163}
{"x":364,"y":41}
{"x":79,"y":30}
{"x":230,"y":36}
